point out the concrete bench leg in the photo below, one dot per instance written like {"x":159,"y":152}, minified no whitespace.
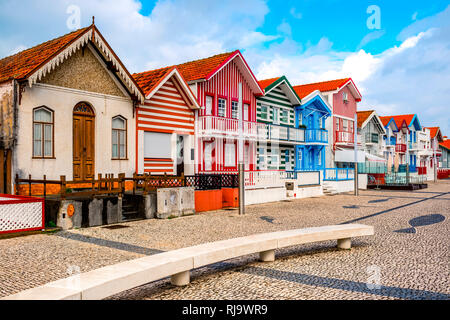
{"x":267,"y":256}
{"x":344,"y":243}
{"x":181,"y":279}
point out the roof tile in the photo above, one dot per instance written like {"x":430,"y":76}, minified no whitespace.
{"x":20,"y":65}
{"x":305,"y":89}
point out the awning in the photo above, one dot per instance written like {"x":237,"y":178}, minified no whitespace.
{"x":348,"y":155}
{"x":374,"y":158}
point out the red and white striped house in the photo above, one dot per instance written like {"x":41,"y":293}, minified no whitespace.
{"x":215,"y":81}
{"x":165,"y":127}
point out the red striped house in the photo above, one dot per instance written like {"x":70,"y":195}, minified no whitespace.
{"x":165,"y":123}
{"x":215,"y":81}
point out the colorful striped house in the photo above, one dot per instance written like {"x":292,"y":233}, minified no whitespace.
{"x":343,"y":96}
{"x":215,"y":83}
{"x":165,"y":123}
{"x":276,"y":109}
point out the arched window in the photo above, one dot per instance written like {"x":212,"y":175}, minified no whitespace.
{"x":119,"y":138}
{"x":43,"y":133}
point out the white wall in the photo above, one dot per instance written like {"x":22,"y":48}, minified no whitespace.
{"x":62,"y":101}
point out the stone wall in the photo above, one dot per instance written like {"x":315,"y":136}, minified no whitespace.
{"x":83,"y":71}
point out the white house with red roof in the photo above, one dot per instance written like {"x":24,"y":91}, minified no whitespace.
{"x":67,"y":108}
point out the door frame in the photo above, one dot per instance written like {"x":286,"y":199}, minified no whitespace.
{"x":84,"y":114}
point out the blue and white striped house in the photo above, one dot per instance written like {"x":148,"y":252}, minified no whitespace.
{"x":311,"y":116}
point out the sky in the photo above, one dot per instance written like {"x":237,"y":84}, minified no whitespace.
{"x":397,"y":52}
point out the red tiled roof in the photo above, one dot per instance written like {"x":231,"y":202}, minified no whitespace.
{"x":265,"y":83}
{"x":202,"y":68}
{"x":20,"y":65}
{"x":150,"y":79}
{"x":305,"y":89}
{"x":385,"y":120}
{"x":363,"y":115}
{"x":405,"y":117}
{"x":433,"y":131}
{"x":445,"y":144}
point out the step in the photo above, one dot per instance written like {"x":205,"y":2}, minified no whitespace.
{"x":129,"y":213}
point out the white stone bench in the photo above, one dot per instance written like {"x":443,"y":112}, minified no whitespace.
{"x":110,"y":280}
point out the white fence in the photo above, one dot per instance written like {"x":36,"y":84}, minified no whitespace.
{"x":308,"y":178}
{"x":18,"y":213}
{"x":266,"y":179}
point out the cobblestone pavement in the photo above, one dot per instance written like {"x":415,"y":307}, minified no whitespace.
{"x":412,"y":256}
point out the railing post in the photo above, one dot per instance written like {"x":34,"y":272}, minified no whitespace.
{"x":63,"y":187}
{"x":45,"y":186}
{"x":29,"y":185}
{"x":16,"y":185}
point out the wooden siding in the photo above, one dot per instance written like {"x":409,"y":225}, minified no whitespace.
{"x":225,"y":84}
{"x":166,"y":112}
{"x":275,"y":98}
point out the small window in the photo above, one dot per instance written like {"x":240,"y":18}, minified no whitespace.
{"x":337,"y":124}
{"x":230,"y":155}
{"x":276,"y":115}
{"x":119,"y":138}
{"x":319,"y":158}
{"x":208,"y":105}
{"x":246,"y":110}
{"x":285,"y":116}
{"x":345,"y":125}
{"x":43,"y":129}
{"x":345,"y":97}
{"x":234,"y":110}
{"x":222,"y":107}
{"x":264,"y":112}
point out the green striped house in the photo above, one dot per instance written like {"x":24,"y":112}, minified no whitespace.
{"x":277,"y":109}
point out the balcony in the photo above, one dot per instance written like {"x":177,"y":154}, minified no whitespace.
{"x":210,"y":126}
{"x":400,"y":148}
{"x":413,"y":146}
{"x":316,"y":136}
{"x":345,"y":137}
{"x":271,"y":132}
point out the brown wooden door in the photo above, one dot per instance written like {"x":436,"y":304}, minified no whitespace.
{"x":5,"y":171}
{"x":83,"y":142}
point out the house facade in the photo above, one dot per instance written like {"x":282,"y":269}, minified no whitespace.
{"x":445,"y":158}
{"x":343,"y":96}
{"x":371,"y":132}
{"x":276,"y":114}
{"x":311,"y":116}
{"x":436,"y":138}
{"x":68,"y":108}
{"x":165,"y":124}
{"x":215,"y":83}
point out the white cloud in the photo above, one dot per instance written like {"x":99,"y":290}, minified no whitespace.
{"x":410,"y":78}
{"x":295,"y":14}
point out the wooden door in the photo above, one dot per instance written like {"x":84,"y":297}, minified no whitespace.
{"x":83,"y":142}
{"x":5,"y":171}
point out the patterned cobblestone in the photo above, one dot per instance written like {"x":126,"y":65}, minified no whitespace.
{"x":412,"y":265}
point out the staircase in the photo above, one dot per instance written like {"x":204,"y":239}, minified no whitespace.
{"x":130,"y":209}
{"x":329,"y":190}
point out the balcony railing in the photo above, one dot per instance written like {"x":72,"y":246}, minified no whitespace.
{"x":337,"y":174}
{"x":213,"y":126}
{"x":280,"y":133}
{"x":400,"y":147}
{"x":345,"y":137}
{"x":317,"y":135}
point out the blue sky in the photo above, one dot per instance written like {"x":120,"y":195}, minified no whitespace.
{"x":403,"y":67}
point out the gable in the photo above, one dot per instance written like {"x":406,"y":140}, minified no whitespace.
{"x":84,"y":71}
{"x":275,"y":98}
{"x":166,"y":111}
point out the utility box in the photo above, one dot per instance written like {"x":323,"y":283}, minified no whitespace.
{"x":168,"y":203}
{"x":290,"y":186}
{"x":187,"y":200}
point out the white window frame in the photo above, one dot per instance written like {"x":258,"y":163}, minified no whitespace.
{"x":230,"y":157}
{"x":118,"y":132}
{"x":276,"y":111}
{"x":209,"y":105}
{"x":266,"y":107}
{"x":219,"y":100}
{"x":235,"y":109}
